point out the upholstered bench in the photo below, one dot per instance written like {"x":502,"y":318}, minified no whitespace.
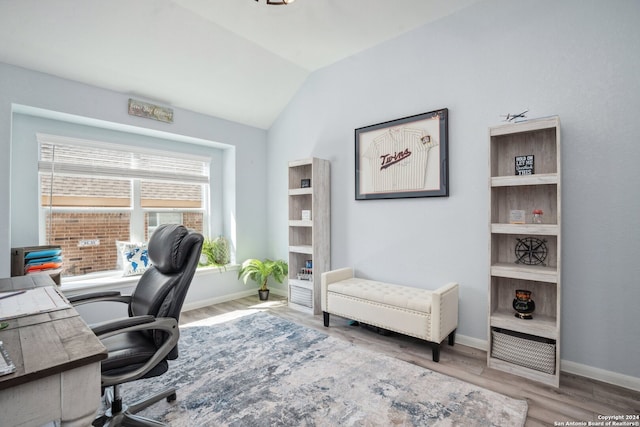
{"x":421,"y":313}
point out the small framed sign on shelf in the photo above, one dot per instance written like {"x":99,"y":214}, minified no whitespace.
{"x":524,"y":165}
{"x":516,"y":217}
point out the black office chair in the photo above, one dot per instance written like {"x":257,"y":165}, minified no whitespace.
{"x":140,"y":345}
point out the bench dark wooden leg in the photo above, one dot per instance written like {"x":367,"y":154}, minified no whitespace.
{"x":325,"y":317}
{"x":435,"y":349}
{"x":452,"y":337}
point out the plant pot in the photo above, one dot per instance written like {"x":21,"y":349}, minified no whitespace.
{"x":264,"y":295}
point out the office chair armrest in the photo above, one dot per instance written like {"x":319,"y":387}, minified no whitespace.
{"x":104,"y":296}
{"x":120,"y":325}
{"x":166,"y":324}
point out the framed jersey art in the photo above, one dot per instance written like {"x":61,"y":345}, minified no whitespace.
{"x":403,"y":158}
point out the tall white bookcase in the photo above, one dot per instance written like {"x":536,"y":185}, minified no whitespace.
{"x":525,"y":254}
{"x":309,"y":231}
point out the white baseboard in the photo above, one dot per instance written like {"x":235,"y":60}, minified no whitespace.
{"x":569,"y":367}
{"x":281,"y":292}
{"x":472,"y":342}
{"x":229,"y":297}
{"x":216,"y":300}
{"x":615,"y":378}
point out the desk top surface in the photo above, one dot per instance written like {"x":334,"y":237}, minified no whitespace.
{"x":48,"y":343}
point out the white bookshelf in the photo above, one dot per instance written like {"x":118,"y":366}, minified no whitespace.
{"x":309,"y":239}
{"x":509,"y":191}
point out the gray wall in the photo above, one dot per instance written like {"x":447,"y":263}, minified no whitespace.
{"x":75,"y":101}
{"x":574,"y":58}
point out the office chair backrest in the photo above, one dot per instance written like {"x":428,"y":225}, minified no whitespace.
{"x":174,"y":252}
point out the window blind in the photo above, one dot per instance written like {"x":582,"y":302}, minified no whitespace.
{"x":70,"y":156}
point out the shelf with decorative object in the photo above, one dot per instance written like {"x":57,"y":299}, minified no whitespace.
{"x":541,"y":325}
{"x":309,"y":231}
{"x":525,"y":249}
{"x":536,"y":273}
{"x":301,"y":249}
{"x":530,"y":229}
{"x":507,"y":181}
{"x":300,"y":223}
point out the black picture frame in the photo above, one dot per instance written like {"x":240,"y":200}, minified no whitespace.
{"x":403,"y":158}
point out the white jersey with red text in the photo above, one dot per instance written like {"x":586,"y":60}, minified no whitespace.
{"x":399,"y":159}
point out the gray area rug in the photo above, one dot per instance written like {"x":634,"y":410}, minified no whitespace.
{"x":262,"y":370}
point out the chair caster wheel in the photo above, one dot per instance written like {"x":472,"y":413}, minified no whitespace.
{"x":171,"y":397}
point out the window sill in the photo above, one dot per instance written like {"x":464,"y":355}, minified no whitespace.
{"x":114,"y":280}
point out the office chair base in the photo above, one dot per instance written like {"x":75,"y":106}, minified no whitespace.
{"x":119,"y":414}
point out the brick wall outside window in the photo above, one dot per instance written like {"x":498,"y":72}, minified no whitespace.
{"x":193,"y":221}
{"x":70,"y":228}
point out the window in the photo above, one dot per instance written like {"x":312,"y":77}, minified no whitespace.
{"x":94,"y":194}
{"x":154,"y":219}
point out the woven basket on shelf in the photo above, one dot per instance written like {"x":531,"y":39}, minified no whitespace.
{"x":524,"y":350}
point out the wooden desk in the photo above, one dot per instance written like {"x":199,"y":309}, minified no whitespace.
{"x":57,"y":360}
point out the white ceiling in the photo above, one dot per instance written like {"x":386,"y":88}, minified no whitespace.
{"x":235,"y":59}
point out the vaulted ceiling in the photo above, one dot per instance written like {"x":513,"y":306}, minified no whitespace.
{"x":239,"y":60}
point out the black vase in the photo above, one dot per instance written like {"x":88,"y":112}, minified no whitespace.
{"x":523,"y":304}
{"x":263,"y":295}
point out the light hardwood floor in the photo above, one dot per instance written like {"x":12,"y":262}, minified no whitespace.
{"x":577,"y":399}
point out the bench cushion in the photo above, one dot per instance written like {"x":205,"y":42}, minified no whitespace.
{"x":383,"y":293}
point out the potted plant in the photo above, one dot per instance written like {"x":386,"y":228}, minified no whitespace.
{"x":215,"y":252}
{"x":260,"y":270}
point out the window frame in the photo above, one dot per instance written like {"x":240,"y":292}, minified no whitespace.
{"x":138,"y":227}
